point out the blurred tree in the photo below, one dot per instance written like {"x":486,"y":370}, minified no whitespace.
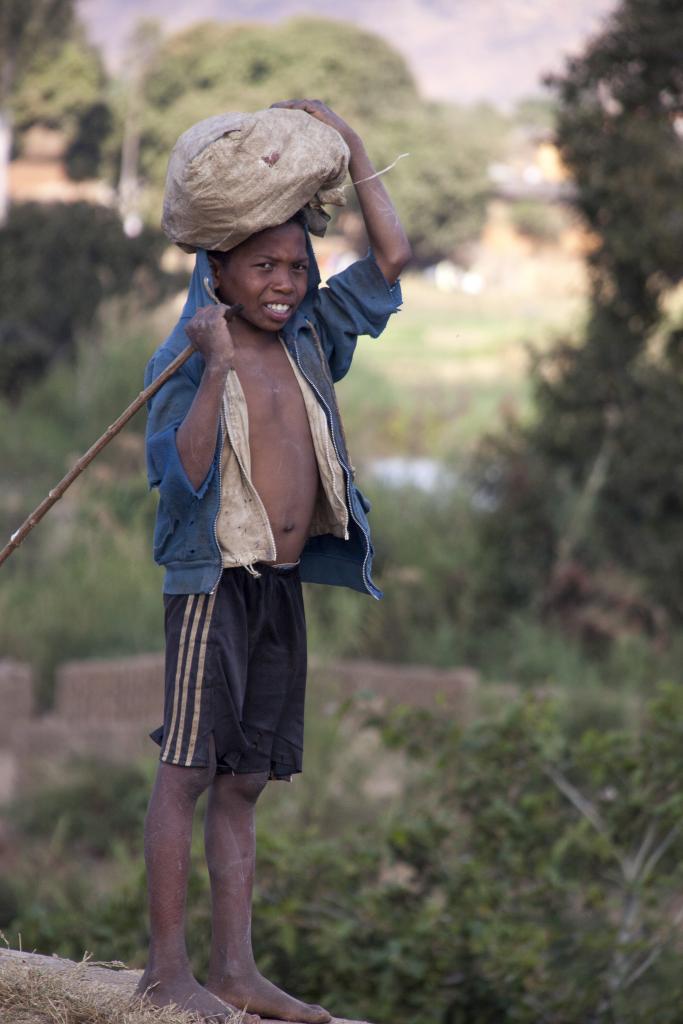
{"x":65,"y":87}
{"x":27,"y":28}
{"x":620,"y":130}
{"x":85,"y":154}
{"x":440,"y":191}
{"x":610,"y":407}
{"x":57,"y":264}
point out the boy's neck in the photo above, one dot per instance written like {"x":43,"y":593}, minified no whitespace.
{"x":245,"y":335}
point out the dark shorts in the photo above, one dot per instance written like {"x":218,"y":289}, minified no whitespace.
{"x":236,"y":669}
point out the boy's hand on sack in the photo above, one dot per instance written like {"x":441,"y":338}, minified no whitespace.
{"x":316,"y":108}
{"x":209,"y":333}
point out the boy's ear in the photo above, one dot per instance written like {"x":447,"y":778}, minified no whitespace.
{"x":215,"y":267}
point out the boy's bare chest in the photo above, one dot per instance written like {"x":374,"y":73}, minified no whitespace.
{"x":274,"y":400}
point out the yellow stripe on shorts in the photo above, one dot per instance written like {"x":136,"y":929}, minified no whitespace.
{"x":200,"y":680}
{"x":190,"y":606}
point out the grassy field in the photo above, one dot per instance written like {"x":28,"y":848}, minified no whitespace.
{"x":451,"y":367}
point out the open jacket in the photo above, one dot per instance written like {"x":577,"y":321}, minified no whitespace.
{"x":321,"y":338}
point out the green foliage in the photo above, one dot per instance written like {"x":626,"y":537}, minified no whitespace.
{"x":57,"y":264}
{"x":440,"y":592}
{"x":97,"y":596}
{"x":520,"y":873}
{"x":561,"y":896}
{"x":27,"y":28}
{"x":71,"y":814}
{"x":601,"y":462}
{"x":67,"y":592}
{"x":637,"y":514}
{"x":440,"y":191}
{"x":59,"y":88}
{"x":64,"y":86}
{"x":84,"y":153}
{"x":237,"y":67}
{"x":617,"y":133}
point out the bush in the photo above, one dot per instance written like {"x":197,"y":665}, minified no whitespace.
{"x":67,"y":591}
{"x":57,"y":264}
{"x":518,"y":875}
{"x":74,"y":812}
{"x":599,"y":481}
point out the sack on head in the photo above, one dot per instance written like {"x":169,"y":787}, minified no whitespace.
{"x":235,"y":174}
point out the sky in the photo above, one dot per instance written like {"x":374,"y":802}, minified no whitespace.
{"x":459,"y":50}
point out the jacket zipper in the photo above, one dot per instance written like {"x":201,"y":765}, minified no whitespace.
{"x":218,"y":512}
{"x":214,"y":298}
{"x":347,"y":474}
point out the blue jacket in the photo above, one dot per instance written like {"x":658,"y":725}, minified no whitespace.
{"x":321,"y":337}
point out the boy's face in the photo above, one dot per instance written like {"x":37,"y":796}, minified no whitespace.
{"x":267,"y":273}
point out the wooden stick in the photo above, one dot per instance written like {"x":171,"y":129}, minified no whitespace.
{"x":55,"y":494}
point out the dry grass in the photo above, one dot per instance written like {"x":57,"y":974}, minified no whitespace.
{"x":63,"y":993}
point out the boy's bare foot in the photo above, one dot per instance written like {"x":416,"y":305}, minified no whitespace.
{"x":187,"y":994}
{"x":265,"y":998}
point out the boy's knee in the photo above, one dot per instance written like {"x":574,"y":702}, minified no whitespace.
{"x":202,"y":778}
{"x":190,"y":781}
{"x":248,"y":786}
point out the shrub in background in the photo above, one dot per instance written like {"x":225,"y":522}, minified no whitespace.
{"x":519,"y":873}
{"x":609,"y":404}
{"x":57,"y":264}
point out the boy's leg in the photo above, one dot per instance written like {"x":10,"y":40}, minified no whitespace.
{"x":168,"y":834}
{"x":230,"y":854}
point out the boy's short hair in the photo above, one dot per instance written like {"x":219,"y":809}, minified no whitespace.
{"x":296,"y":218}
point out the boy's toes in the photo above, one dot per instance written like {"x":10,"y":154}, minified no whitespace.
{"x":319,"y":1014}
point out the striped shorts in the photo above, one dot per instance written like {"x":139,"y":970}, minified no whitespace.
{"x":236,"y":670}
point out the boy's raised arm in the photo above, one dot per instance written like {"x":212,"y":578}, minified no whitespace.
{"x":387,"y":238}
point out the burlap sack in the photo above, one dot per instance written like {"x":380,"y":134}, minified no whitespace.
{"x":234,"y":174}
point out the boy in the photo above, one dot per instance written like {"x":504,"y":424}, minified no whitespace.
{"x":256,"y":493}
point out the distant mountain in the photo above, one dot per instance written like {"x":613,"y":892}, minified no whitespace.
{"x":464,"y":50}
